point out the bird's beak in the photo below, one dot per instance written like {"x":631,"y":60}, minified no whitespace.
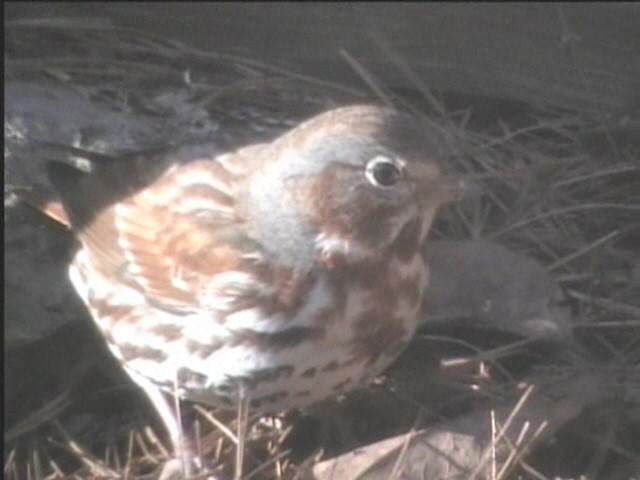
{"x":452,"y":188}
{"x":435,"y":189}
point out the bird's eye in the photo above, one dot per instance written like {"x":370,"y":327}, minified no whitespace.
{"x":383,"y":171}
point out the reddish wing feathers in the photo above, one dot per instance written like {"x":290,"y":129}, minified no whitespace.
{"x":170,"y":233}
{"x":171,"y":237}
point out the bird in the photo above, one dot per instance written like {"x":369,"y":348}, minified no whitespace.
{"x":280,"y":274}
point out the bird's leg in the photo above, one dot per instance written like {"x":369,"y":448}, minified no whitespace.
{"x":170,"y":419}
{"x":243,"y":420}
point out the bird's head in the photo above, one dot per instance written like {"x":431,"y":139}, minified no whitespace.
{"x":347,"y":183}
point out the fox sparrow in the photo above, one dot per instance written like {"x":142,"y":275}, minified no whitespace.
{"x":281,"y":273}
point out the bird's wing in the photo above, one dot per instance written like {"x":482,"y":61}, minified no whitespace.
{"x":167,"y":239}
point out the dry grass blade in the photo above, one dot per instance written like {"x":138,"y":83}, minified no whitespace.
{"x":532,"y":471}
{"x":273,"y":460}
{"x":486,"y":455}
{"x":150,"y":435}
{"x":491,"y":355}
{"x":609,"y":305}
{"x":46,"y":413}
{"x":407,"y":71}
{"x":217,"y":423}
{"x":563,"y":261}
{"x":564,"y":210}
{"x":242,"y":425}
{"x":622,"y":169}
{"x":129,"y":462}
{"x":520,"y":449}
{"x":479,"y":357}
{"x":396,"y":471}
{"x":95,"y":465}
{"x":367,"y":78}
{"x":10,"y":464}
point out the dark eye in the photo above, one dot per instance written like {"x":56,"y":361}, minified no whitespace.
{"x":383,"y":172}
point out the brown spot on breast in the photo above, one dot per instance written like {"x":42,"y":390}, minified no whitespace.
{"x":276,"y":397}
{"x":377,"y":333}
{"x":352,"y":361}
{"x":113,"y":312}
{"x":200,"y":349}
{"x":291,"y":288}
{"x":309,"y":373}
{"x":380,"y":329}
{"x":133,"y":352}
{"x":272,"y":398}
{"x":223,"y":389}
{"x":407,"y":244}
{"x":326,"y":316}
{"x":167,"y":331}
{"x":271,"y":374}
{"x":369,"y":275}
{"x":279,"y":340}
{"x":331,"y":366}
{"x":190,"y":379}
{"x":409,"y":288}
{"x":340,"y":385}
{"x":366,"y":273}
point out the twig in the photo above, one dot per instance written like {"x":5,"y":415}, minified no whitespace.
{"x":367,"y":78}
{"x":582,"y":251}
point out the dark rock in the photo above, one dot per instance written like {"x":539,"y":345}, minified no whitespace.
{"x":489,"y":286}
